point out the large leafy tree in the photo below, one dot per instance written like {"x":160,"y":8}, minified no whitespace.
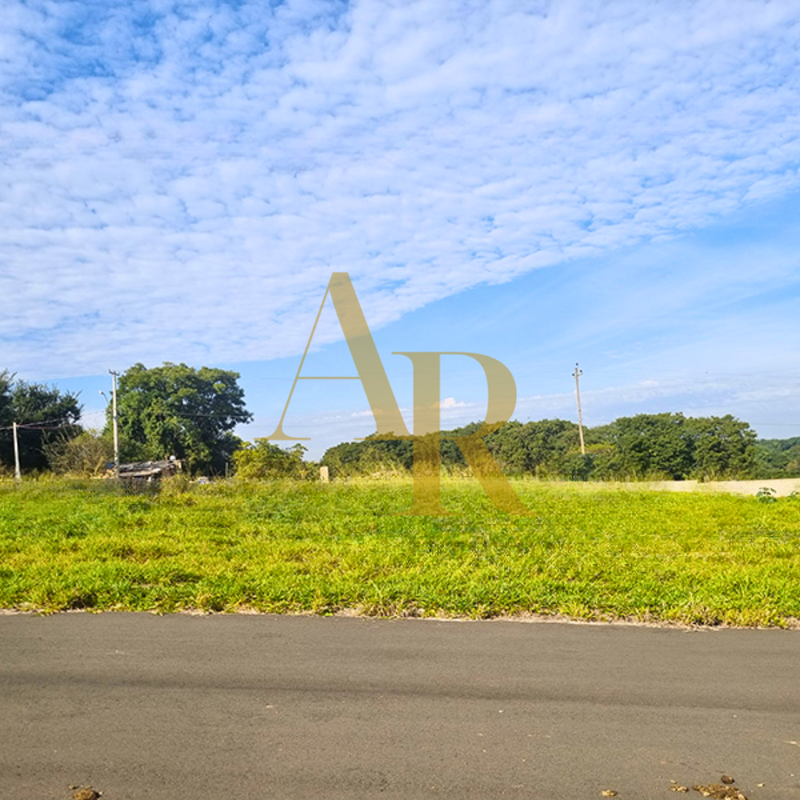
{"x":724,"y":447}
{"x":178,"y":410}
{"x":652,"y":445}
{"x":42,"y":412}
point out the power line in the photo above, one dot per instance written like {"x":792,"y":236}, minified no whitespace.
{"x":54,"y":424}
{"x":49,"y":424}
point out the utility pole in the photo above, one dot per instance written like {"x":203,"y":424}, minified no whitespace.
{"x":114,"y":421}
{"x":577,"y":374}
{"x":17,"y":473}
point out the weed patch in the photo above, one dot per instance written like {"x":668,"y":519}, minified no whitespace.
{"x":282,"y":546}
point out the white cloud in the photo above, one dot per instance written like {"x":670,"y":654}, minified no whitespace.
{"x":180,"y":183}
{"x":451,"y":402}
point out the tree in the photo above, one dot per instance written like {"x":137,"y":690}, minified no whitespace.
{"x":652,"y":446}
{"x":265,"y":460}
{"x":178,"y":410}
{"x":6,"y":382}
{"x":374,"y":454}
{"x":43,"y":412}
{"x":84,"y":454}
{"x":723,"y":447}
{"x":6,"y":420}
{"x":509,"y":447}
{"x":551,"y":446}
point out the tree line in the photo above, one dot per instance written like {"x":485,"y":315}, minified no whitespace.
{"x":666,"y":446}
{"x":177,"y":410}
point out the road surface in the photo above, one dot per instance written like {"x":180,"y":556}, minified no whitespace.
{"x":186,"y":707}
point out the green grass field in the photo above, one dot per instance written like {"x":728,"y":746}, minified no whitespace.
{"x":584,"y":552}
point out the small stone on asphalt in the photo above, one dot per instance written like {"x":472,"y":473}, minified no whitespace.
{"x":719,"y":791}
{"x":85,"y":793}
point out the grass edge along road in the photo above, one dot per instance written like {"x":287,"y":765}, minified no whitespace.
{"x":585,"y":552}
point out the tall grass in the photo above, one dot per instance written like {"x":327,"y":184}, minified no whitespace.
{"x":589,"y":553}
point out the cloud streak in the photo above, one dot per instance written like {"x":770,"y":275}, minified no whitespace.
{"x":180,"y":181}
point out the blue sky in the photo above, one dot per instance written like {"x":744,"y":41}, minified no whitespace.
{"x":614,"y":184}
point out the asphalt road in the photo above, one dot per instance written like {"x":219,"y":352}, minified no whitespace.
{"x":189,"y":708}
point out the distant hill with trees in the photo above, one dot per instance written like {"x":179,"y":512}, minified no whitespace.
{"x":667,"y":446}
{"x":778,"y":458}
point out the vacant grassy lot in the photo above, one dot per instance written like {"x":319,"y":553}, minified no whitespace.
{"x":587,"y":553}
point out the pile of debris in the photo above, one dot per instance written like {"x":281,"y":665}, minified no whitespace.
{"x":146,"y":471}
